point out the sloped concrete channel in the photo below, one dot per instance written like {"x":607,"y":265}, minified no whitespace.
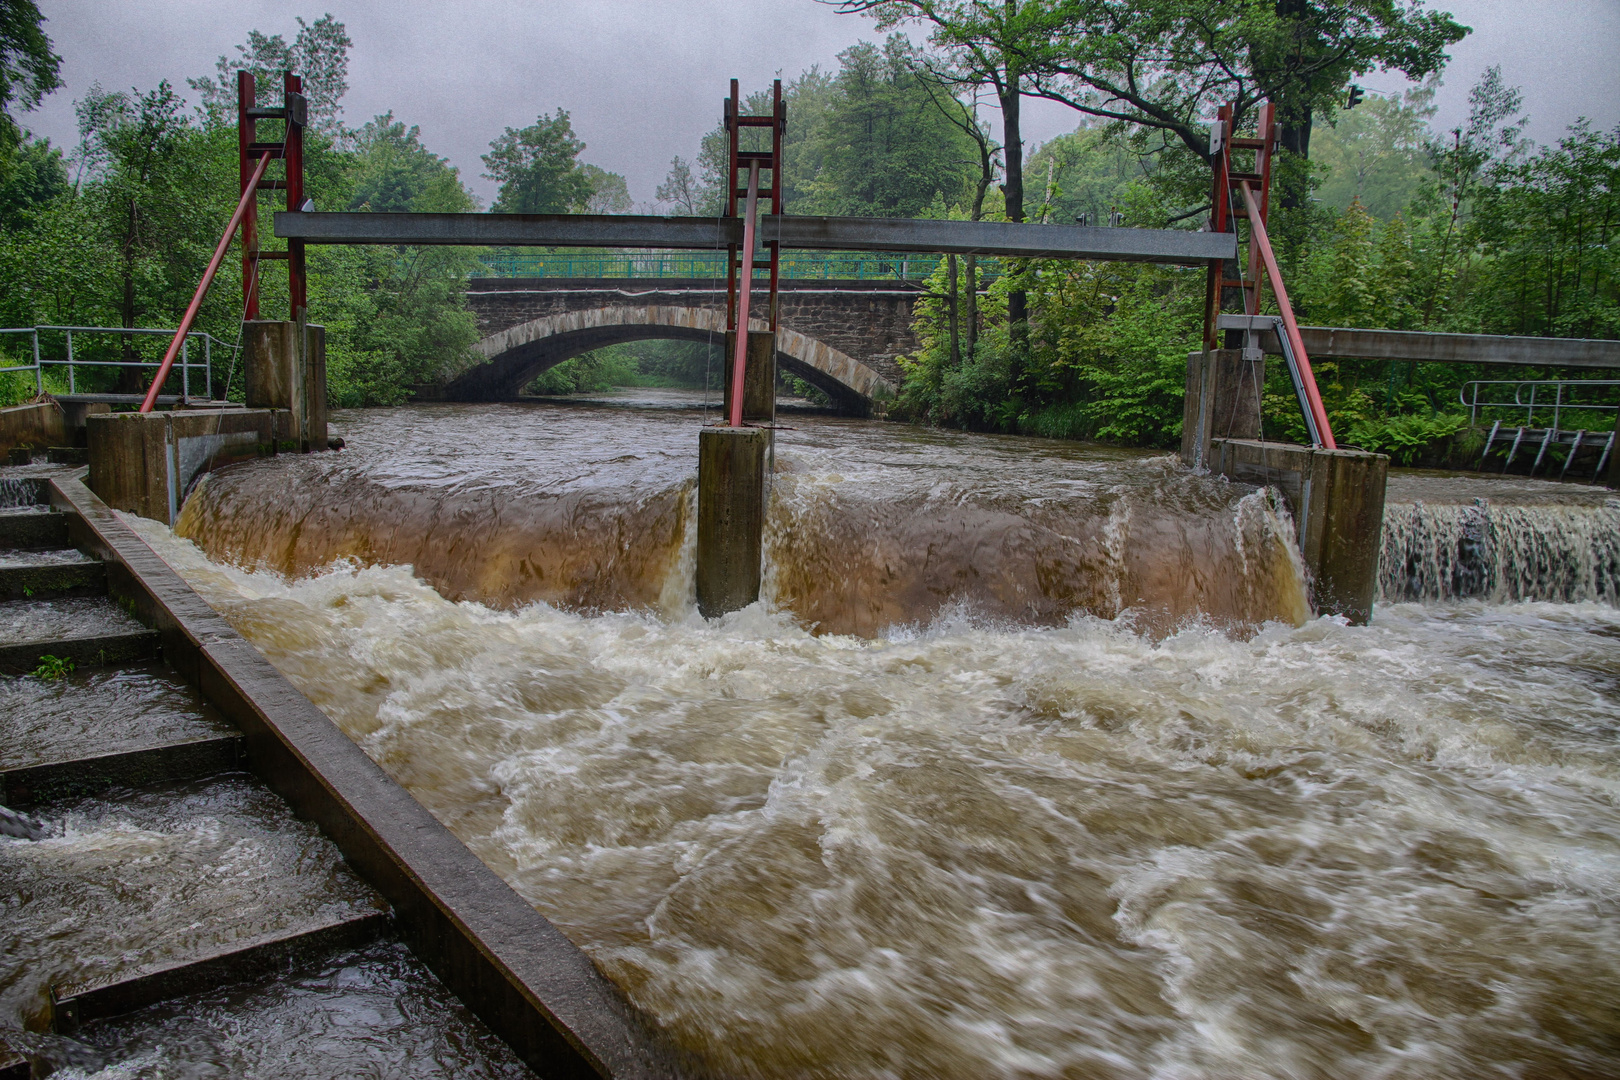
{"x":189,"y":839}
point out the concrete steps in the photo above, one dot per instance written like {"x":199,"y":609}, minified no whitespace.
{"x":164,"y":875}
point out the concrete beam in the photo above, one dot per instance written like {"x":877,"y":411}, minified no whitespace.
{"x":1332,"y":342}
{"x":790,"y":230}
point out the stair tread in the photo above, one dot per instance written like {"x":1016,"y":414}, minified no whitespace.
{"x":409,"y":1016}
{"x":63,"y":619}
{"x":17,"y":558}
{"x":163,"y":875}
{"x":100,"y":711}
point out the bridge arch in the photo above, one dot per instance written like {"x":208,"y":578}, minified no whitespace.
{"x":515,"y":356}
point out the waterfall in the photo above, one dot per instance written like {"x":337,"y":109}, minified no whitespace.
{"x":1500,"y":553}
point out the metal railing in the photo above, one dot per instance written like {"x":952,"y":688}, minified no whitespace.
{"x":73,"y":362}
{"x":707,"y":264}
{"x":1533,"y":394}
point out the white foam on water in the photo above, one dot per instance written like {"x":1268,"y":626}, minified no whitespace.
{"x":976,"y":849}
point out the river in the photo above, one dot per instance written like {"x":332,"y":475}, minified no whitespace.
{"x":1032,"y":763}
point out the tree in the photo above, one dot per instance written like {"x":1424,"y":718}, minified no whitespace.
{"x":1377,"y":153}
{"x":1488,"y":141}
{"x":988,"y":43}
{"x":697,"y":188}
{"x":319,"y":54}
{"x":392,"y":171}
{"x":37,"y":176}
{"x":680,"y":189}
{"x":889,"y":143}
{"x":538,"y":168}
{"x":1165,"y":64}
{"x":609,"y":192}
{"x":28,"y":68}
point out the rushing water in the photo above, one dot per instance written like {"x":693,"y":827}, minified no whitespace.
{"x":1505,"y":539}
{"x":982,"y":837}
{"x":870,"y":525}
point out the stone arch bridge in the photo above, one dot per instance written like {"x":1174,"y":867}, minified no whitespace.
{"x":842,"y":336}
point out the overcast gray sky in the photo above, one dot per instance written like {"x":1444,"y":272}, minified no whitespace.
{"x":643,"y":79}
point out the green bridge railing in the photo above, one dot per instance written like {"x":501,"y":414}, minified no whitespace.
{"x":797,"y":266}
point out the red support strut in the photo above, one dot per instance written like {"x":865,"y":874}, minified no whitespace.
{"x":1235,"y":196}
{"x":739,"y":291}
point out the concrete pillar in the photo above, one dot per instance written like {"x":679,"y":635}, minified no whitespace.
{"x":145,"y":463}
{"x":1613,"y":480}
{"x":731,"y":517}
{"x":1337,"y":500}
{"x":286,"y":369}
{"x":1223,"y":400}
{"x":759,"y":384}
{"x":1343,"y":530}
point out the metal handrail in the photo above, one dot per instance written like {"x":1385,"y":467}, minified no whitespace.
{"x":73,"y":363}
{"x":1468,"y":394}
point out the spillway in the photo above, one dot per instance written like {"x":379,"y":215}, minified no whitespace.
{"x":1032,"y":763}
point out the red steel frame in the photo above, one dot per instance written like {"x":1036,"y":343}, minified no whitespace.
{"x":290,"y":150}
{"x":739,"y":293}
{"x":253,"y":159}
{"x":1254,"y":189}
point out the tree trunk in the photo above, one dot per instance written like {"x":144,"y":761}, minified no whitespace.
{"x":1013,"y":147}
{"x":951,"y":299}
{"x":129,"y":378}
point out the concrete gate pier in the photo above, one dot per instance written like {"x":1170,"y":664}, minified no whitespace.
{"x":1336,"y":497}
{"x":285,"y":363}
{"x":146,"y":463}
{"x":731,"y":517}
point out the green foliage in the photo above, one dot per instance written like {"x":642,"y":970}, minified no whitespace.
{"x":538,"y":168}
{"x":1545,"y":231}
{"x":54,"y":667}
{"x":609,"y":192}
{"x":319,"y":54}
{"x":127,"y":243}
{"x":1086,"y":176}
{"x":638,"y":363}
{"x":35,"y":176}
{"x":28,"y":68}
{"x":1408,"y":439}
{"x":885,"y":144}
{"x":391,"y":171}
{"x":395,"y":319}
{"x":1488,"y":236}
{"x":1376,"y":154}
{"x":881,"y":137}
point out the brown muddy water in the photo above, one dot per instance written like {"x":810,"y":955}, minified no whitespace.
{"x":978,"y":791}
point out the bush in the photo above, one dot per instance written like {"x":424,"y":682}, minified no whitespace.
{"x":1410,"y":440}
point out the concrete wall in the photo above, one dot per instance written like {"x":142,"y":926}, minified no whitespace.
{"x":41,"y":425}
{"x":146,"y":463}
{"x":1223,"y":400}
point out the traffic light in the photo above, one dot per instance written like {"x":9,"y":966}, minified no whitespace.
{"x":1356,"y":94}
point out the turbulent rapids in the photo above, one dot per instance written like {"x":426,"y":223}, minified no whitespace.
{"x":1032,"y":764}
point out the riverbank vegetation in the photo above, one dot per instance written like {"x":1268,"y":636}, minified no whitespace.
{"x":1380,"y":220}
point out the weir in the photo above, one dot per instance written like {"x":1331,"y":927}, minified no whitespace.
{"x":751,"y":828}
